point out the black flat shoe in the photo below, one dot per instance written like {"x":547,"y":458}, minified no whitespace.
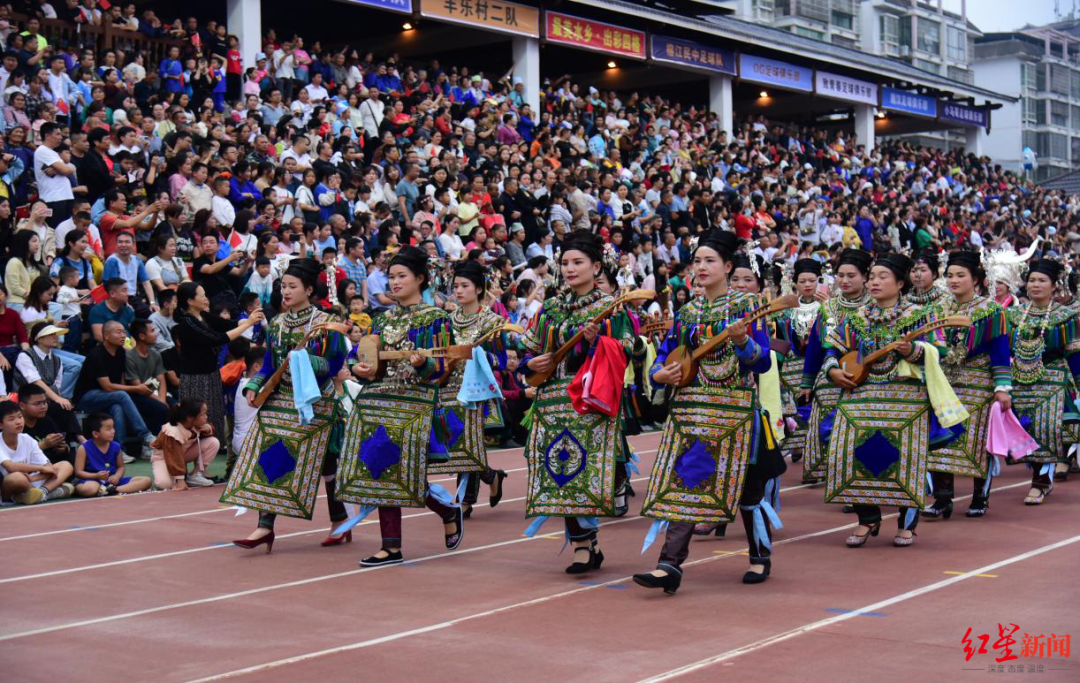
{"x":622,"y":499}
{"x":500,"y":476}
{"x":467,"y":511}
{"x":938,"y":509}
{"x":754,"y":577}
{"x":454,"y":540}
{"x":596,"y":558}
{"x":796,"y":456}
{"x":848,"y":509}
{"x":376,"y":561}
{"x":977,"y":508}
{"x":669,"y":582}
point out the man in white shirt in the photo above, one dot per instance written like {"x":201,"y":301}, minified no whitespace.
{"x":10,"y":63}
{"x":315,"y":89}
{"x":222,"y":208}
{"x":371,"y":113}
{"x":51,"y":172}
{"x":284,"y":62}
{"x":299,"y":153}
{"x":302,"y":107}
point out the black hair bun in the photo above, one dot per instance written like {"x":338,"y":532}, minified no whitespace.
{"x":415,"y":259}
{"x":473,"y":272}
{"x":585,"y":242}
{"x":306,"y":270}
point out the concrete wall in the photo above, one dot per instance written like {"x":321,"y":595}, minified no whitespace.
{"x":1005,"y":143}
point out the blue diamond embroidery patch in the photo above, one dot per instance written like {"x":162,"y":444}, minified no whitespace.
{"x":695,"y":466}
{"x":454,"y":428}
{"x":276,"y":462}
{"x":379,"y":452}
{"x":877,"y":454}
{"x":565,"y":458}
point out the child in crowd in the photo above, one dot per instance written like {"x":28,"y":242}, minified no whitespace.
{"x":261,"y":282}
{"x":245,"y":414}
{"x":28,"y":476}
{"x":249,"y":303}
{"x":99,"y":463}
{"x":187,"y":437}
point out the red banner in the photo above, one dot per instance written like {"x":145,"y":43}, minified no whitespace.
{"x":594,"y":35}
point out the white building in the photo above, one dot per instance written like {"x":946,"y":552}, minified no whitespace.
{"x":1041,"y":65}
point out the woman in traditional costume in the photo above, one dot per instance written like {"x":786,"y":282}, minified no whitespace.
{"x":878,"y":447}
{"x":573,"y":457}
{"x":747,"y":276}
{"x":468,"y":453}
{"x":277,"y":472}
{"x":392,"y":435}
{"x":1045,"y":342}
{"x":977,"y":366}
{"x":707,"y":460}
{"x":925,"y":292}
{"x":796,"y":328}
{"x":852,"y":273}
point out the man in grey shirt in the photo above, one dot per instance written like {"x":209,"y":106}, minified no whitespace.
{"x":162,"y":320}
{"x":143,"y":365}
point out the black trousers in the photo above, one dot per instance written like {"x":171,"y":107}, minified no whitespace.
{"x":472,"y":489}
{"x":677,"y":541}
{"x":945,"y":488}
{"x":870,"y":515}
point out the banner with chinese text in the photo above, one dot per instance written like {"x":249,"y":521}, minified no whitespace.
{"x":689,"y":53}
{"x":594,"y":35}
{"x":493,"y":15}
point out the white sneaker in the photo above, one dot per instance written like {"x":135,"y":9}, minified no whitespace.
{"x":197,"y":479}
{"x":147,"y":452}
{"x":128,"y":459}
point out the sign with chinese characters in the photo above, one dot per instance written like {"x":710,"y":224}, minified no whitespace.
{"x":908,"y":102}
{"x":594,"y":35}
{"x":845,"y":88}
{"x":773,"y":72}
{"x":392,"y":5}
{"x":689,"y":53}
{"x":1053,"y":647}
{"x":494,"y":15}
{"x":961,"y":113}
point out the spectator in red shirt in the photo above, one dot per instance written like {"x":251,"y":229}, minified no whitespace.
{"x":13,"y":337}
{"x":744,"y":225}
{"x":114,"y":221}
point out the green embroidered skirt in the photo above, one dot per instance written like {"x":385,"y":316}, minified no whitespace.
{"x":877,"y":451}
{"x":280,"y":460}
{"x":815,"y":453}
{"x":790,"y":379}
{"x":966,"y":455}
{"x":384,"y":457}
{"x":1044,"y":405}
{"x":704,"y":450}
{"x":464,"y":436}
{"x":571,"y":457}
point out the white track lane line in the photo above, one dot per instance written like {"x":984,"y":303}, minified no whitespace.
{"x":793,"y":633}
{"x":177,"y":553}
{"x":97,"y":527}
{"x":528,"y":603}
{"x":290,"y":584}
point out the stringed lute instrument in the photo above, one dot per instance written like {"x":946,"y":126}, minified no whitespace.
{"x":860,"y":369}
{"x":538,"y":378}
{"x":690,"y":360}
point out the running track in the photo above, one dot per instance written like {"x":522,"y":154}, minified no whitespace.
{"x":146,"y":587}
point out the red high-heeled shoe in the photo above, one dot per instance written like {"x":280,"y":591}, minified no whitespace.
{"x":267,"y":539}
{"x":337,"y":540}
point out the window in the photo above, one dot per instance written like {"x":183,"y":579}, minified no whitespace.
{"x":905,"y":33}
{"x":1075,"y":111}
{"x":927,"y":65}
{"x":1059,"y":145}
{"x":957,"y":44}
{"x":1030,"y":106}
{"x":890,"y":34}
{"x":1075,"y":144}
{"x":763,"y":11}
{"x":1040,"y":112}
{"x":843,"y":41}
{"x":808,"y":33}
{"x":815,"y":10}
{"x":962,"y":75}
{"x":1074,"y":85}
{"x":1027,"y":76}
{"x":1059,"y":79}
{"x":929,"y":36}
{"x":843,"y":20}
{"x":1040,"y":77}
{"x":1059,"y":113}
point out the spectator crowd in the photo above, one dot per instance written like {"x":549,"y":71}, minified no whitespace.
{"x":147,"y":211}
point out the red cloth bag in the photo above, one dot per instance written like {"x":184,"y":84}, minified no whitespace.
{"x":597,"y":386}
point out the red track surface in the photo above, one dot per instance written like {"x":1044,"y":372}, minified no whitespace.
{"x":155,"y":596}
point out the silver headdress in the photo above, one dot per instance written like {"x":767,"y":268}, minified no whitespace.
{"x":748,"y":249}
{"x":1004,"y":265}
